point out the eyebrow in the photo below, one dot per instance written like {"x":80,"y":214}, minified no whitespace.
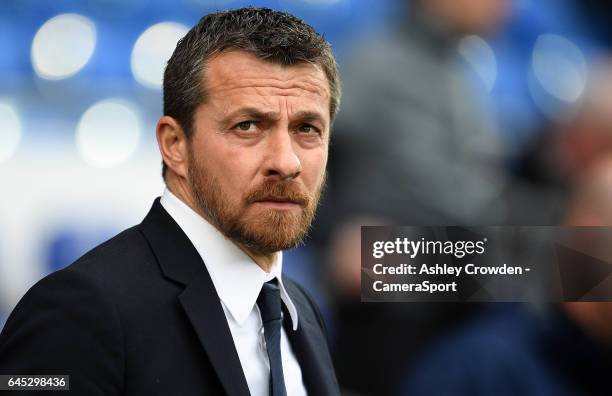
{"x":310,"y":116}
{"x":250,"y":112}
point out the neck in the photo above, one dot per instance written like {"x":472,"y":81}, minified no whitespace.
{"x":182,"y":191}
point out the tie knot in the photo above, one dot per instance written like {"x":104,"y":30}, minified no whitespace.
{"x":269,"y":301}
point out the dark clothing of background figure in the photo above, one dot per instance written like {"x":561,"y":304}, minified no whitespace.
{"x":516,"y":350}
{"x":139,"y":315}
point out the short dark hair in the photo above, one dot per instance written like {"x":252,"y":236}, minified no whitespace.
{"x":270,"y":35}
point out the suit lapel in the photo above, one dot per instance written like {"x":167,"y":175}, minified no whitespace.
{"x":310,"y":347}
{"x":180,"y":262}
{"x":213,"y":331}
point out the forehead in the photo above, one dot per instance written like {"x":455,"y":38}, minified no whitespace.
{"x":238,"y":72}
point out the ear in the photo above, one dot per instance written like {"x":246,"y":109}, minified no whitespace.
{"x":172,"y":144}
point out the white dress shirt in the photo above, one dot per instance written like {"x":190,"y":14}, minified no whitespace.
{"x":238,"y":281}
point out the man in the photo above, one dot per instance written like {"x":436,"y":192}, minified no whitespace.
{"x":190,"y":302}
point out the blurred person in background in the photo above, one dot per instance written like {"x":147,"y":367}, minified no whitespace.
{"x":565,"y":152}
{"x":523,"y":349}
{"x":412,"y":147}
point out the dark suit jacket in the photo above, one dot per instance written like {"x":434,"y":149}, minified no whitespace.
{"x":139,"y":315}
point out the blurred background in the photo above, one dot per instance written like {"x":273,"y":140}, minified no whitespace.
{"x":455,"y":112}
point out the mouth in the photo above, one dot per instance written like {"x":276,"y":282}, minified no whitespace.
{"x":278,"y":202}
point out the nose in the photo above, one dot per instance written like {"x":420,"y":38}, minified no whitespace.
{"x":281,"y":158}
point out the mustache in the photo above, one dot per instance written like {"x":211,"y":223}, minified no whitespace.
{"x":279,"y":190}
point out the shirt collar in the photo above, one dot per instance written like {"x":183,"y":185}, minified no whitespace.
{"x":237,"y":279}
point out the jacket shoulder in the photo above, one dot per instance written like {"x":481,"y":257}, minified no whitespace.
{"x":61,"y":319}
{"x":118,"y":257}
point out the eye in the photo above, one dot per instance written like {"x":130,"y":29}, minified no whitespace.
{"x":308,"y":129}
{"x":246,"y":126}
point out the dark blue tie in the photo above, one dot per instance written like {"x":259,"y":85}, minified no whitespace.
{"x":269,"y":303}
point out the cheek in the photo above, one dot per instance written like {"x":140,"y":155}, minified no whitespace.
{"x":237,"y":168}
{"x":313,"y":166}
{"x":225,"y":164}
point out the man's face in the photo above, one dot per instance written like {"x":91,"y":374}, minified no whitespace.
{"x":259,"y":148}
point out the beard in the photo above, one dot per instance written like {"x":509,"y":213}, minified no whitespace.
{"x":265,"y":231}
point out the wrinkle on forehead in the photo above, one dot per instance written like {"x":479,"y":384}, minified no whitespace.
{"x":271,"y":86}
{"x":239,"y":70}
